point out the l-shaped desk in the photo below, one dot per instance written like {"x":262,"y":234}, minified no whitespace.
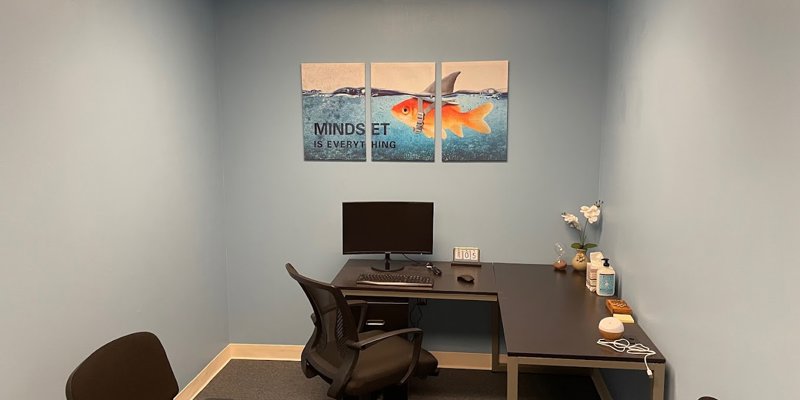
{"x":548,"y":317}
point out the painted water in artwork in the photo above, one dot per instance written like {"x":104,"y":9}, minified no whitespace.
{"x":333,"y":126}
{"x":334,"y":111}
{"x":474,"y":145}
{"x":392,"y":139}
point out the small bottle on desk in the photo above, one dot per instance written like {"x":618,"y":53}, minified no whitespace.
{"x":606,"y":280}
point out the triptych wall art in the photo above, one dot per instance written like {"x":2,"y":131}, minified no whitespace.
{"x":403,"y":112}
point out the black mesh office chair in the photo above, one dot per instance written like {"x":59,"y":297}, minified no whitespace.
{"x":133,"y":367}
{"x":357,"y":364}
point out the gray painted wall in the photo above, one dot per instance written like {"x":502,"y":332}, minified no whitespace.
{"x":111,"y":186}
{"x":281,"y":209}
{"x":699,"y":174}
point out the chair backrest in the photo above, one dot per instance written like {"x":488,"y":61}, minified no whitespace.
{"x":133,"y":367}
{"x":333,"y":325}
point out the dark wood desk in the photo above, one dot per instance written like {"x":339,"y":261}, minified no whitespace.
{"x":446,"y":287}
{"x":550,"y":319}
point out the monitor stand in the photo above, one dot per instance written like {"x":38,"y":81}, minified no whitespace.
{"x":387,"y":265}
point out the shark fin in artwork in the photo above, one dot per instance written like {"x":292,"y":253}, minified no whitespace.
{"x":448,"y":82}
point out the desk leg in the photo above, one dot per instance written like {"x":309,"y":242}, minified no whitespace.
{"x":659,"y":372}
{"x":495,"y":337}
{"x":512,"y":373}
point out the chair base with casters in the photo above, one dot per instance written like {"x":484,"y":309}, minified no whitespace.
{"x":358,"y":364}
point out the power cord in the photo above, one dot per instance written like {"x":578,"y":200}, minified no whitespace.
{"x":625,"y":346}
{"x":410,"y":259}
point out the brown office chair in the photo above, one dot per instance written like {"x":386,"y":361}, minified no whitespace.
{"x":357,"y":364}
{"x":133,"y":367}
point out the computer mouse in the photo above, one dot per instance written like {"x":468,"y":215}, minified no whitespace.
{"x":466,"y":278}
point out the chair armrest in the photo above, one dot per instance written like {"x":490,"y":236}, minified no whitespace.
{"x":366,"y":343}
{"x":362,"y":307}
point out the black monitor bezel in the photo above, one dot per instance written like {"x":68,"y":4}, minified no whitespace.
{"x":394,"y":251}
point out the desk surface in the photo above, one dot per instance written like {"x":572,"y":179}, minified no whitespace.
{"x":548,"y":317}
{"x":447,"y":283}
{"x":546,"y":313}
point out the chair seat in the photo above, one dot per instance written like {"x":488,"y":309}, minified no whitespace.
{"x":385,"y":363}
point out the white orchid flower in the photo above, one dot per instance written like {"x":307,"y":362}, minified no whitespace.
{"x":571,"y":220}
{"x":592,"y":214}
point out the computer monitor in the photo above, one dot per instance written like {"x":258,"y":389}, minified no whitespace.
{"x":385,"y":227}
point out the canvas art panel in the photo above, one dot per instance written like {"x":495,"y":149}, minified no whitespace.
{"x":334,"y":111}
{"x":474,"y":111}
{"x":403,"y":111}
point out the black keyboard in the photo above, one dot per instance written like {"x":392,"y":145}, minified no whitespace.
{"x":395,"y":280}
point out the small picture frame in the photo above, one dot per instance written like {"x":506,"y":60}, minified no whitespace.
{"x":466,"y":256}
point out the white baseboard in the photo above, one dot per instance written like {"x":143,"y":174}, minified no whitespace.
{"x":276,"y":352}
{"x":206,"y":375}
{"x":461,"y":360}
{"x":273,"y":352}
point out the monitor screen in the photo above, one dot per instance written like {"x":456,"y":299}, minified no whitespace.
{"x":387,"y":227}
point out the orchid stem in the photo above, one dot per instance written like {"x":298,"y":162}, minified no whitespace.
{"x":583,"y":233}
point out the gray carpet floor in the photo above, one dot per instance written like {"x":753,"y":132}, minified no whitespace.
{"x":273,"y":380}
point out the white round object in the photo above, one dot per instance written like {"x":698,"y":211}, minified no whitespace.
{"x":611,"y":328}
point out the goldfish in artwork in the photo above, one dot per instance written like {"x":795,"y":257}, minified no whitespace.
{"x":453,"y":119}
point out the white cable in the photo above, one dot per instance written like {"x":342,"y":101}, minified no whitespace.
{"x":625,"y":346}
